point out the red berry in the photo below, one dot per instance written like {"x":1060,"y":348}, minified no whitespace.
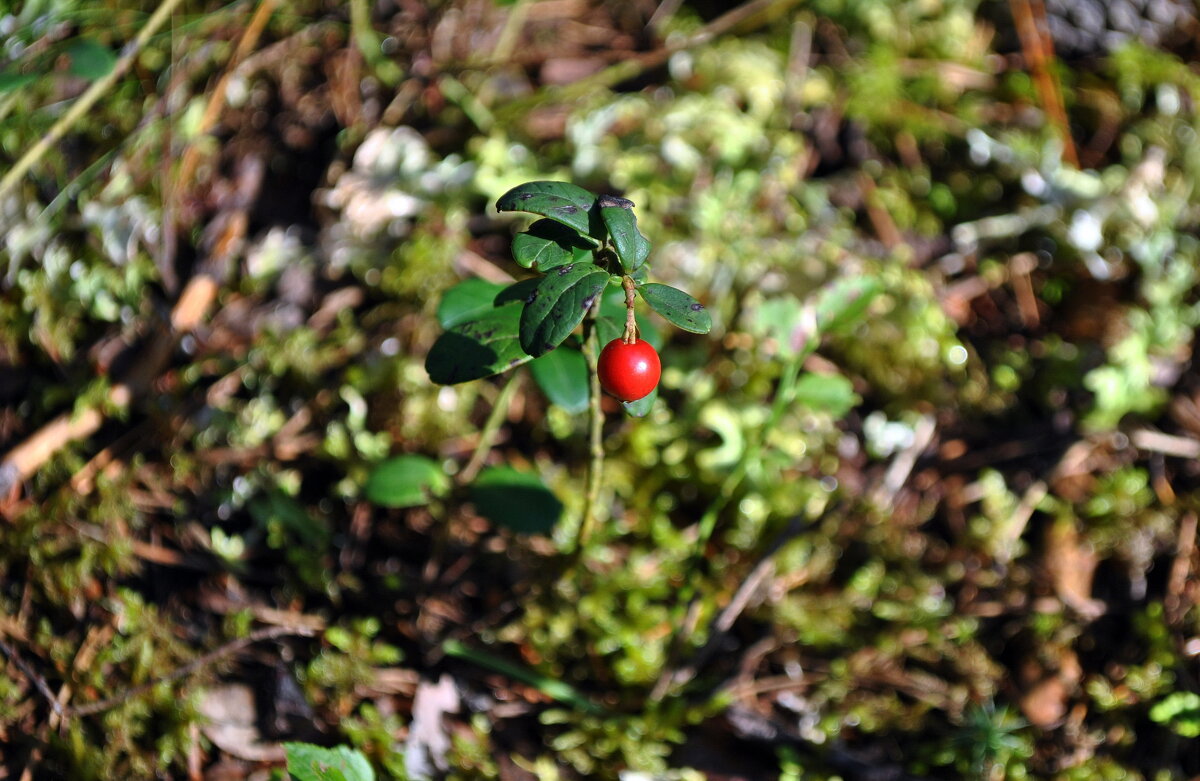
{"x":629,"y":371}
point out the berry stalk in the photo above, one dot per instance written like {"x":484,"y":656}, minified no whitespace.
{"x":631,"y":329}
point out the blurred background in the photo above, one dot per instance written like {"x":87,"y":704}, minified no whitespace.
{"x":234,"y":512}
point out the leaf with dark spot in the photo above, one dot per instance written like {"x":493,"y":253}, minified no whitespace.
{"x":478,"y":348}
{"x":677,"y":307}
{"x":632,"y":247}
{"x":614,"y":201}
{"x":558,"y":308}
{"x":518,"y":292}
{"x":549,"y":244}
{"x":562,"y":201}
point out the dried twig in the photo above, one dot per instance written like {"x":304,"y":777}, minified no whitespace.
{"x":726,"y":618}
{"x":33,"y":677}
{"x":1176,"y":601}
{"x":902,"y":466}
{"x":1167,"y":444}
{"x":635,"y":66}
{"x":88,"y":99}
{"x":193,"y":304}
{"x":230,"y":648}
{"x":881,"y":220}
{"x":1039,"y":52}
{"x":216,"y":101}
{"x":191,"y":308}
{"x":62,"y":713}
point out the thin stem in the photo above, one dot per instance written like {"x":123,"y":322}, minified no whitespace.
{"x":91,"y":708}
{"x":631,"y":329}
{"x":595,"y":427}
{"x":487,"y":435}
{"x":86,"y":100}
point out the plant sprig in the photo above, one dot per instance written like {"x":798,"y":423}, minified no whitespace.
{"x":584,"y":245}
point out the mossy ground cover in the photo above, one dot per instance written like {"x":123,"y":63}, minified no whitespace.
{"x":954,"y":537}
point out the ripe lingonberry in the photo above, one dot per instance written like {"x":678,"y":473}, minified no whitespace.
{"x":629,"y":371}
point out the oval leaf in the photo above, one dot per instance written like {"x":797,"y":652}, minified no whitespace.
{"x":561,"y":201}
{"x":632,"y":247}
{"x":844,"y":301}
{"x":517,"y":292}
{"x":10,"y":80}
{"x":641,"y":407}
{"x":558,"y":305}
{"x":549,"y":244}
{"x":830,"y":393}
{"x":477,"y":348}
{"x":405,"y":481}
{"x":562,"y":376}
{"x":306,"y":762}
{"x":91,"y":59}
{"x":677,"y":307}
{"x":467,"y":300}
{"x":516,"y":500}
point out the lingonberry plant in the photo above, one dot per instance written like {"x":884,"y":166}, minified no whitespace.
{"x":583,"y":246}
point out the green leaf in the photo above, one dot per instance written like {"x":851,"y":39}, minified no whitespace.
{"x":842,"y":303}
{"x":562,"y":376}
{"x":641,"y":407}
{"x":561,"y":201}
{"x":516,"y":500}
{"x":467,"y":300}
{"x":90,"y":59}
{"x":478,"y":348}
{"x":10,"y":81}
{"x":306,"y":762}
{"x":517,"y":292}
{"x":632,"y":247}
{"x":830,"y":393}
{"x":405,"y":481}
{"x":549,"y":244}
{"x":677,"y":307}
{"x":559,"y":304}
